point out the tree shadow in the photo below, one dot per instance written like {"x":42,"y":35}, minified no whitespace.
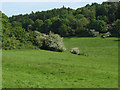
{"x":117,"y":40}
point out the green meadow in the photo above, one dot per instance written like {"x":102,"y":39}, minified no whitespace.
{"x":97,"y":68}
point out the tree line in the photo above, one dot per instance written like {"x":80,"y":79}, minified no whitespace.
{"x":64,"y":21}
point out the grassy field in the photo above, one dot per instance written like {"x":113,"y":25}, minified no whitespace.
{"x":48,"y":69}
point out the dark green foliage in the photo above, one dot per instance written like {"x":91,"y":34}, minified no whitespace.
{"x":98,"y":25}
{"x":82,"y":25}
{"x":118,"y":27}
{"x":66,"y":17}
{"x":45,"y":28}
{"x":10,"y":43}
{"x":118,"y":11}
{"x":115,"y":29}
{"x":19,"y":33}
{"x":88,"y":12}
{"x":16,"y":24}
{"x":18,"y":30}
{"x":63,"y":30}
{"x":26,"y":23}
{"x":66,"y":21}
{"x":37,"y":25}
{"x":13,"y":35}
{"x":56,"y":25}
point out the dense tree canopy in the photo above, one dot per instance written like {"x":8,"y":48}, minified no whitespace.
{"x":63,"y":21}
{"x":98,"y":25}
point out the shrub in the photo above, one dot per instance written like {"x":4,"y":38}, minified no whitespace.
{"x":53,"y":42}
{"x":94,"y":33}
{"x":39,"y":38}
{"x":10,"y":43}
{"x":28,"y":45}
{"x":108,"y":34}
{"x":49,"y":42}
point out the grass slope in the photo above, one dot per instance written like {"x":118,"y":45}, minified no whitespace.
{"x":48,"y":69}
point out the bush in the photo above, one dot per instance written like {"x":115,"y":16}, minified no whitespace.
{"x":39,"y":40}
{"x":94,"y":33}
{"x":108,"y":34}
{"x":28,"y":45}
{"x":10,"y":43}
{"x":49,"y":42}
{"x":54,"y":42}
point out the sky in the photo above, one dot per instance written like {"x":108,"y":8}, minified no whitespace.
{"x":16,"y":7}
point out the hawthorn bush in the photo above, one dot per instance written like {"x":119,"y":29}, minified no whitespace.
{"x":51,"y":41}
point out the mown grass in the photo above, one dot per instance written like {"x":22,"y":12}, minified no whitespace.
{"x":48,"y":69}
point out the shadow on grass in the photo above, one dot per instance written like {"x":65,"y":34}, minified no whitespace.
{"x":117,"y":40}
{"x":70,"y":37}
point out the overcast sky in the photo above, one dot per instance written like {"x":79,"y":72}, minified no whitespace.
{"x":15,"y":7}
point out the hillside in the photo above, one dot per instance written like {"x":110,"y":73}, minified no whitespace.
{"x":48,"y":69}
{"x":67,"y":22}
{"x":36,"y":48}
